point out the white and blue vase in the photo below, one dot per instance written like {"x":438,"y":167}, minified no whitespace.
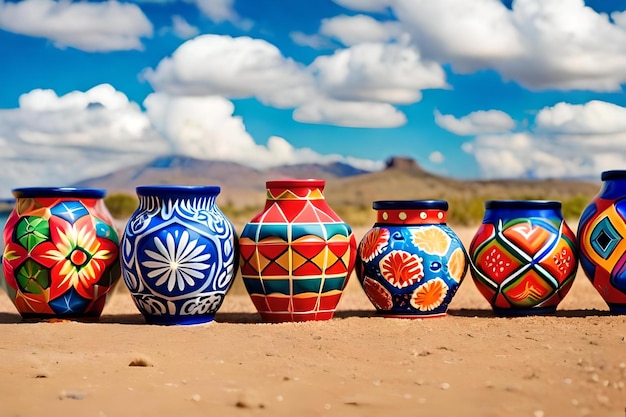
{"x":179,"y":254}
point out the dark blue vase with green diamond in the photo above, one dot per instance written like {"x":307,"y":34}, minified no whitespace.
{"x":602,"y":241}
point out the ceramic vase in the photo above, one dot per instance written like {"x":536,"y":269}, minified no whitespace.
{"x":179,"y":254}
{"x":523,"y":257}
{"x":602,"y":241}
{"x":61,"y":254}
{"x":411,"y":263}
{"x":297,"y":254}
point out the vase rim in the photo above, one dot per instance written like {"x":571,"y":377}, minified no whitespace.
{"x":523,"y":204}
{"x":42,"y":192}
{"x":410,"y":205}
{"x":616,"y":174}
{"x":164,"y":190}
{"x":310,"y":182}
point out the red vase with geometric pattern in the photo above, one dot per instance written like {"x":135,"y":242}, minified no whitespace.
{"x":61,"y":257}
{"x":524,"y":257}
{"x":297,"y":254}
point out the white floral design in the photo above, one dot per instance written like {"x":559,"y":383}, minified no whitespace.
{"x":177,"y":264}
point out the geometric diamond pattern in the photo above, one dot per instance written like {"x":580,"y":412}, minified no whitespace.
{"x":296,"y":257}
{"x":69,"y":210}
{"x":605,"y":238}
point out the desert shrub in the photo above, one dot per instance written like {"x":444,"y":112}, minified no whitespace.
{"x":573,"y":207}
{"x":355,"y":214}
{"x":121,"y":205}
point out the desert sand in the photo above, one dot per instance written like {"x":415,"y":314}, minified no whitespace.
{"x":469,"y":363}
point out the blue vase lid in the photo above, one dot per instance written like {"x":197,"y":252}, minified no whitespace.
{"x":617,"y":174}
{"x":410,"y":205}
{"x":178,"y":190}
{"x":67,"y":192}
{"x":523,"y":204}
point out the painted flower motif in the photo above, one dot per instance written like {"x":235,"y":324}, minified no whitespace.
{"x":429,"y":296}
{"x":378,"y":295}
{"x":457,"y":264}
{"x":79,"y":256}
{"x":432,"y":240}
{"x":401,"y":269}
{"x":177,"y":264}
{"x":373,"y":243}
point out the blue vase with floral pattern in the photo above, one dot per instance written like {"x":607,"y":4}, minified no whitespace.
{"x":179,"y":254}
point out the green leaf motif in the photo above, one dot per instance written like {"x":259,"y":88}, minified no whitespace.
{"x":32,"y":278}
{"x":31,"y":231}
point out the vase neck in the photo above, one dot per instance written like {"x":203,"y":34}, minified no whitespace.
{"x":613,"y":189}
{"x":295,"y":191}
{"x":410,"y":216}
{"x":195,"y":202}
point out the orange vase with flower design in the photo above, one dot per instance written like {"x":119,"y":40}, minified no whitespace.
{"x":411,"y":263}
{"x":61,"y":252}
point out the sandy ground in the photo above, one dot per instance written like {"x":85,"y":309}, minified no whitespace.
{"x":469,"y":363}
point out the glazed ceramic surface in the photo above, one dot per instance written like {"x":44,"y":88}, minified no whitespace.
{"x":410,"y":263}
{"x":602,"y":240}
{"x":297,"y":254}
{"x":61,"y":253}
{"x":524,"y":256}
{"x":178,"y":254}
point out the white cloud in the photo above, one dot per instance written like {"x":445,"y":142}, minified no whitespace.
{"x":356,"y":84}
{"x":51,"y":140}
{"x":365,"y":5}
{"x":476,"y":123}
{"x":223,"y":11}
{"x":233,"y":67}
{"x":542,"y":44}
{"x":569,"y":141}
{"x":390,"y":73}
{"x":204,"y":127}
{"x":93,"y":27}
{"x":594,"y":117}
{"x":314,"y":41}
{"x":350,"y":113}
{"x":352,"y":30}
{"x":182,"y":28}
{"x":436,"y":157}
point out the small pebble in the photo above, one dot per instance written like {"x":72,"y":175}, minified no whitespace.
{"x":377,"y":382}
{"x":568,"y":381}
{"x":603,"y":399}
{"x":326,"y":406}
{"x":445,"y":385}
{"x":595,"y":378}
{"x":196,"y":397}
{"x":538,"y":413}
{"x":575,"y":402}
{"x":279,"y":398}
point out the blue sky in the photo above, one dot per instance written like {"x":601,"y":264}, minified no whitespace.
{"x":469,"y":88}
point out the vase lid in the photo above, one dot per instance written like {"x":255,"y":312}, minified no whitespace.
{"x":617,"y":174}
{"x":165,"y":190}
{"x":410,"y":205}
{"x":42,"y":192}
{"x":523,"y":204}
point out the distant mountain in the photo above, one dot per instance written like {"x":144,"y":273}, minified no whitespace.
{"x":238,"y":182}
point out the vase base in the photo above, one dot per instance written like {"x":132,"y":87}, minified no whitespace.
{"x":411,"y":316}
{"x":617,"y":308}
{"x":521,"y":312}
{"x":178,"y":320}
{"x":282,"y":317}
